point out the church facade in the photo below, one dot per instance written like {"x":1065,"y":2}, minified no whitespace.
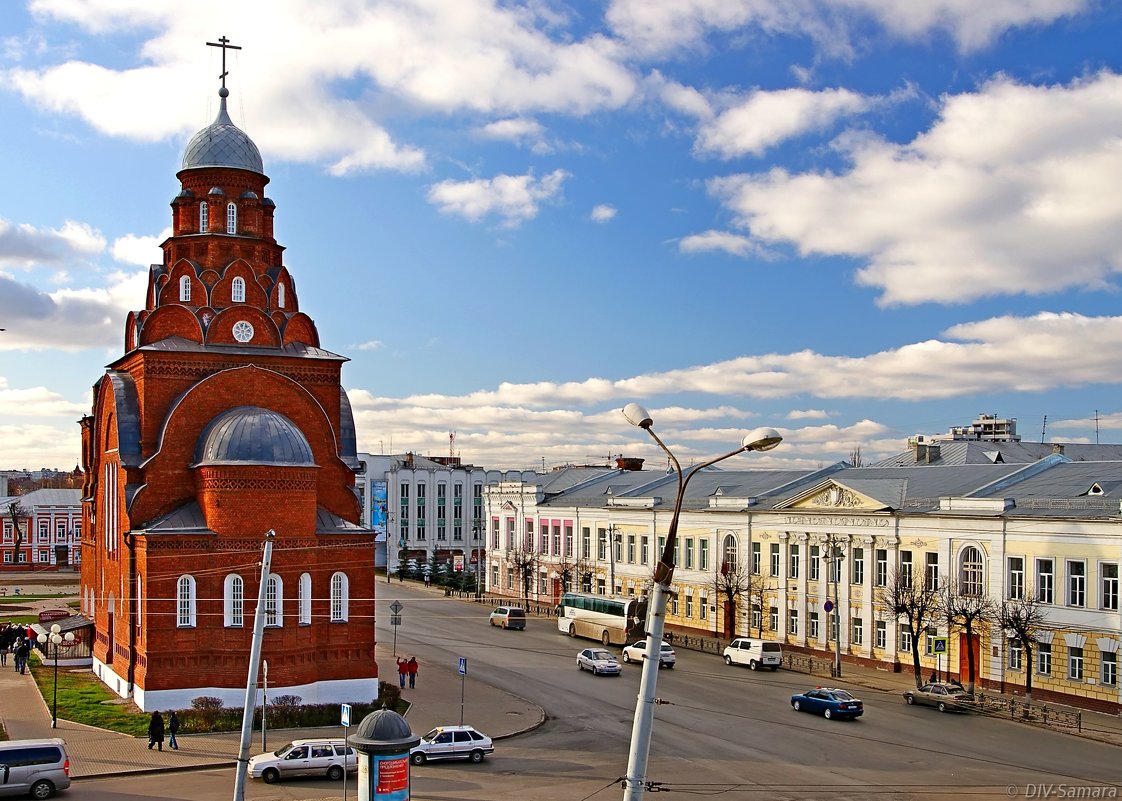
{"x":222,"y":420}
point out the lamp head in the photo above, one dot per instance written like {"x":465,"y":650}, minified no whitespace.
{"x":637,"y":415}
{"x":56,"y":628}
{"x":762,"y":439}
{"x":68,"y":637}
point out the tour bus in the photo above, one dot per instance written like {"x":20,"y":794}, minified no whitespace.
{"x":612,"y":621}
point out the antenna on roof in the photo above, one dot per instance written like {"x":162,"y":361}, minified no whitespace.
{"x":1043,"y":428}
{"x":1096,"y":420}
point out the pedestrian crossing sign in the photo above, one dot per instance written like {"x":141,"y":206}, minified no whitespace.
{"x":938,"y":645}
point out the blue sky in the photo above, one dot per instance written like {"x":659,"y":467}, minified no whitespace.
{"x":852,"y":220}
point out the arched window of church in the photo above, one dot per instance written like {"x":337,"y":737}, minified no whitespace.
{"x":185,"y":289}
{"x":231,"y":218}
{"x":204,"y":213}
{"x":233,"y":601}
{"x":237,"y":290}
{"x":971,"y":573}
{"x":305,"y":599}
{"x":728,"y":554}
{"x":185,"y":602}
{"x":339,"y":599}
{"x":280,"y":296}
{"x":274,"y":601}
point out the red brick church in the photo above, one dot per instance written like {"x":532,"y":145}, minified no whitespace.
{"x":222,"y":420}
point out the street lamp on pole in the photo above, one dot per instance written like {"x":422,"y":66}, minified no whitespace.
{"x":56,"y":638}
{"x":761,"y":439}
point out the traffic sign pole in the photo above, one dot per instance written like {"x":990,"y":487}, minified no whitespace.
{"x":463,"y":670}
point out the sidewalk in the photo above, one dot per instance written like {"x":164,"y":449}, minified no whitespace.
{"x":98,"y":752}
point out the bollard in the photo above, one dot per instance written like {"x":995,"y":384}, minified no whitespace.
{"x":383,"y":740}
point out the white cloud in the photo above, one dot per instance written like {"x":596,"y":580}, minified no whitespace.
{"x":658,"y":27}
{"x":34,"y":446}
{"x":807,"y":414}
{"x":141,"y":250}
{"x":765,"y":119}
{"x":513,"y":198}
{"x":603,"y":213}
{"x":37,"y":402}
{"x":372,"y":344}
{"x":473,"y":55}
{"x":24,"y":246}
{"x":514,"y":129}
{"x":733,"y":244}
{"x":1011,"y":191}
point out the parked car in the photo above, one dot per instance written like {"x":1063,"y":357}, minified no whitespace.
{"x":599,"y":661}
{"x":943,"y":696}
{"x":755,"y":654}
{"x":635,"y":651}
{"x":452,"y":742}
{"x":35,"y":768}
{"x":509,"y":617}
{"x":319,"y":757}
{"x":828,"y":702}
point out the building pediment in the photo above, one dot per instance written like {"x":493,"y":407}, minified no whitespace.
{"x":871,"y":495}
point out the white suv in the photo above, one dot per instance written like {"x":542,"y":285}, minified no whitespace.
{"x":452,"y":742}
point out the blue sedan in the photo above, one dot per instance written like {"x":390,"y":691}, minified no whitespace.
{"x":830,"y":703}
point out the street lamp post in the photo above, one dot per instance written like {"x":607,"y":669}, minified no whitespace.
{"x":56,"y":638}
{"x":761,"y":439}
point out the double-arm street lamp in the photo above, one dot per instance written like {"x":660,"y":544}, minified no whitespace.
{"x":56,"y":638}
{"x":761,"y":439}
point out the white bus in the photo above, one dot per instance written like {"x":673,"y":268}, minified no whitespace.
{"x":612,"y":621}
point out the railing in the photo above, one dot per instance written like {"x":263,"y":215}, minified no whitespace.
{"x":1042,"y":714}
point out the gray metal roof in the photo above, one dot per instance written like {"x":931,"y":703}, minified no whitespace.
{"x":250,"y":434}
{"x":222,"y":144}
{"x":43,"y":497}
{"x":179,"y":344}
{"x":962,"y":452}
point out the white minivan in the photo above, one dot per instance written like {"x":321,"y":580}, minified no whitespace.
{"x":755,"y":654}
{"x":33,"y":767}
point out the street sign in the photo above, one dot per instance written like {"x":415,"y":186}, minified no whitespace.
{"x":395,"y":620}
{"x":463,"y":669}
{"x":828,"y":606}
{"x":938,"y":645}
{"x":346,"y":715}
{"x":396,"y":607}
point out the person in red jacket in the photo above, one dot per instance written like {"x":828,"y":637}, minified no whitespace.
{"x":412,"y":667}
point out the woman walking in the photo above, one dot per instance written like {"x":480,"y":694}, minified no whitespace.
{"x":156,"y":731}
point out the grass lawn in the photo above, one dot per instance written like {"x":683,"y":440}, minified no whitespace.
{"x":81,"y":697}
{"x":22,"y":619}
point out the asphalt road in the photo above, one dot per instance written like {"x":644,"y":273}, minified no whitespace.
{"x":725,"y":731}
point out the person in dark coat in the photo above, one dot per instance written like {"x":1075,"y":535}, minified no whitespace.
{"x":156,"y":731}
{"x":23,"y":653}
{"x":173,"y":728}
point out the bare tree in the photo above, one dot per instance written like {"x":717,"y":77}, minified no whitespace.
{"x":966,"y":610}
{"x":855,"y":456}
{"x":525,"y":561}
{"x":759,"y":592}
{"x":908,"y":596}
{"x":1024,"y":618}
{"x":732,"y":583}
{"x":16,"y":512}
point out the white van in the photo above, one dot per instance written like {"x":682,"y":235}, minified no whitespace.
{"x":509,"y":617}
{"x":755,"y":654}
{"x":33,"y":767}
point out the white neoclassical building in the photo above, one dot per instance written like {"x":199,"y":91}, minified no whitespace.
{"x":1050,"y":527}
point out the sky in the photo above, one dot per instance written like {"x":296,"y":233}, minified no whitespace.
{"x":850,"y":220}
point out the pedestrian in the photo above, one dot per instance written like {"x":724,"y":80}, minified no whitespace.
{"x":412,"y":667}
{"x":173,"y":727}
{"x":156,"y":731}
{"x":402,"y":669}
{"x":23,"y":653}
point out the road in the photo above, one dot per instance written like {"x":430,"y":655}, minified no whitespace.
{"x":725,"y":731}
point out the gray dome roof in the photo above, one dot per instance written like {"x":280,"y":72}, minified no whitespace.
{"x":222,"y":144}
{"x":254,"y":435}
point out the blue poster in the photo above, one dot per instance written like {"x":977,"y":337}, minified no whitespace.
{"x":378,"y":506}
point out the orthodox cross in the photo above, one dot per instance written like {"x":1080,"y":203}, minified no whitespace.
{"x":224,"y":43}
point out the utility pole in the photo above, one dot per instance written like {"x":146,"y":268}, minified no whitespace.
{"x":612,"y":532}
{"x":254,"y":663}
{"x":836,"y":550}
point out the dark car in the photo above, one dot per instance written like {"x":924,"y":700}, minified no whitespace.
{"x":943,"y":696}
{"x":828,"y":702}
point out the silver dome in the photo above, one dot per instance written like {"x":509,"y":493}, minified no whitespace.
{"x":254,"y":435}
{"x":222,"y":144}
